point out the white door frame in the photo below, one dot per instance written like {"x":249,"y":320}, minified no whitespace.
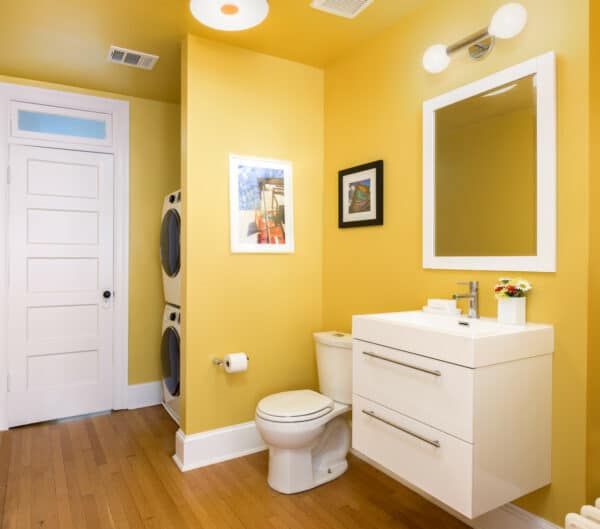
{"x":119,"y":148}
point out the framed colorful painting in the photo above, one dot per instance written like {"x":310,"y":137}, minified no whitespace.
{"x":361,"y":195}
{"x":261,"y":205}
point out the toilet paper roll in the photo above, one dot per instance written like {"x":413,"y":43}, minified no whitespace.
{"x":236,"y":362}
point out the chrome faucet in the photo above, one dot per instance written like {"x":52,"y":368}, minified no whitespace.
{"x":472,"y":296}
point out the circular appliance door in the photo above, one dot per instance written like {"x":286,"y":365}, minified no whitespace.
{"x":170,"y":233}
{"x":169,"y":352}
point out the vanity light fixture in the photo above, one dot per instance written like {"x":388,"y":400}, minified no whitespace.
{"x":230,"y":15}
{"x":507,"y":22}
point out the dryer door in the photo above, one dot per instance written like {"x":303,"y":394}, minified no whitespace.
{"x":170,"y":233}
{"x":169,"y":353}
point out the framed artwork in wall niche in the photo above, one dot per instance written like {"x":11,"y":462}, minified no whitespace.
{"x":261,"y":205}
{"x":360,"y":195}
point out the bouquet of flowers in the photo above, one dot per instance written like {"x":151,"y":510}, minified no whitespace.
{"x":512,"y":288}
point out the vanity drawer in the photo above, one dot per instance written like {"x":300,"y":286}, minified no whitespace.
{"x":437,"y":463}
{"x":436,"y":393}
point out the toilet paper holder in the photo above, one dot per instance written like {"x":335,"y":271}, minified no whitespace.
{"x":220,"y":362}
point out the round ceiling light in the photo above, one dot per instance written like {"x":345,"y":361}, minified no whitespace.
{"x":230,"y":15}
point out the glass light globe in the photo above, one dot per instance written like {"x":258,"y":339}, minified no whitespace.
{"x":230,"y":15}
{"x":508,"y":21}
{"x":436,"y":58}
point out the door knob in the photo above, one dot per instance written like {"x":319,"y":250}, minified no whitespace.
{"x":107,"y":294}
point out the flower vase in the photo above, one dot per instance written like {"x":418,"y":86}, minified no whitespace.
{"x":512,"y":311}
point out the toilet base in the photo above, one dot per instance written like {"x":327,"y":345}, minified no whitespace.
{"x":299,"y":469}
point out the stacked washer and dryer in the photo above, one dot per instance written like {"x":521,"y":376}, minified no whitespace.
{"x":170,"y":256}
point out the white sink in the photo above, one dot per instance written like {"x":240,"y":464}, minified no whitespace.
{"x":456,"y":339}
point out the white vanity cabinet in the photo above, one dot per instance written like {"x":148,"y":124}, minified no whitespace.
{"x":459,"y":409}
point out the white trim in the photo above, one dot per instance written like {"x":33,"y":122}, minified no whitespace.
{"x":508,"y":516}
{"x":4,"y":128}
{"x":144,"y":395}
{"x":545,"y":261}
{"x":119,"y":110}
{"x":121,"y":222}
{"x":513,"y":517}
{"x":214,"y":446}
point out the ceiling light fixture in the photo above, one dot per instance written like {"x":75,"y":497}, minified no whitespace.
{"x":230,"y":15}
{"x":507,"y":22}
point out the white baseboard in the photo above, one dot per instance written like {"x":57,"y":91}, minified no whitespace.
{"x":206,"y":448}
{"x":508,"y":516}
{"x":144,"y":395}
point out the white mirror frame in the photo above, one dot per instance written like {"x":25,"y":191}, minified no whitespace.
{"x":545,"y":261}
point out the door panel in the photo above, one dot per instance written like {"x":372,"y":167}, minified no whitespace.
{"x":54,"y":323}
{"x":46,"y":226}
{"x":62,"y":275}
{"x":62,"y":179}
{"x":60,"y":262}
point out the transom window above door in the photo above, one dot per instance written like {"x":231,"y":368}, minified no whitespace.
{"x":60,"y":124}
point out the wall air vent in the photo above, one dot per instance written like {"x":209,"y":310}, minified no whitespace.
{"x":136,"y":59}
{"x":342,"y":8}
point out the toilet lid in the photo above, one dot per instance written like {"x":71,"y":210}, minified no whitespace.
{"x":300,"y":405}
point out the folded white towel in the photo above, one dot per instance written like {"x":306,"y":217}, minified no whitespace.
{"x":441,"y":312}
{"x":442,"y":304}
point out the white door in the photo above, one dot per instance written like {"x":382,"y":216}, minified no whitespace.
{"x":60,"y":251}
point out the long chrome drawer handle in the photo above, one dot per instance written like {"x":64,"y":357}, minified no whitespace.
{"x":420,"y":437}
{"x":433,"y":372}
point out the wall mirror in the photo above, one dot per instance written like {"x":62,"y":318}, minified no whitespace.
{"x":489,"y":172}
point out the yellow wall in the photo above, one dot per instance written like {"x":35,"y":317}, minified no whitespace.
{"x":594,"y":266}
{"x":154,"y":172}
{"x":238,"y":101}
{"x":373,"y":103}
{"x":486,"y":171}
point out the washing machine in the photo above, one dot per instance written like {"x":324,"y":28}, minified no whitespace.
{"x":170,"y":247}
{"x":170,"y":359}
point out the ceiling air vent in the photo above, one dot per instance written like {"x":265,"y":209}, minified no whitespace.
{"x":342,"y":8}
{"x":136,"y":59}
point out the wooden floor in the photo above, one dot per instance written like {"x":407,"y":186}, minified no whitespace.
{"x":115,"y":471}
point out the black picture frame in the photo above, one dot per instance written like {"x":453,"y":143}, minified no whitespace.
{"x":343,"y":190}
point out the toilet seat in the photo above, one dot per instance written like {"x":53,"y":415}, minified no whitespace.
{"x":294,"y":406}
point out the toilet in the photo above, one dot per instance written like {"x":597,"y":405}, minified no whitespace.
{"x":307,"y":432}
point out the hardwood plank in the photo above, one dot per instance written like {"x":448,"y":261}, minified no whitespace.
{"x":99,"y":457}
{"x":11,"y":500}
{"x":78,"y":442}
{"x":219,"y":510}
{"x":75,"y":498}
{"x":63,"y":504}
{"x":95,"y":463}
{"x":5,"y":458}
{"x":119,"y":488}
{"x":44,"y":507}
{"x":91,"y":512}
{"x":25,"y":497}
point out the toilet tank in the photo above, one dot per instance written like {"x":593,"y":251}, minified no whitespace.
{"x":334,"y":363}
